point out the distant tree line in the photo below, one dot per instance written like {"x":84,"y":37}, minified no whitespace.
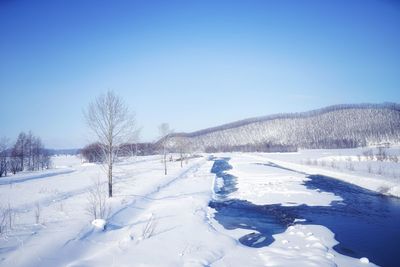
{"x":136,"y":149}
{"x":27,"y":153}
{"x":259,"y":147}
{"x":335,"y":143}
{"x":73,"y":151}
{"x":95,"y":152}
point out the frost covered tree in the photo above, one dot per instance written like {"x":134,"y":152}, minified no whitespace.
{"x":112,"y":123}
{"x":165,"y":133}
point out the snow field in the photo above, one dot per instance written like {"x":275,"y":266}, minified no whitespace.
{"x":158,"y":220}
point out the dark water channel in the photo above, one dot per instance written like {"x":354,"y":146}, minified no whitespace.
{"x":365,"y":224}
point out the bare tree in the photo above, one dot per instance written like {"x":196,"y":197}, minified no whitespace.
{"x":29,"y":143}
{"x":111,"y":121}
{"x":4,"y":156}
{"x":7,"y":217}
{"x":182,"y":147}
{"x":19,"y":149}
{"x":28,"y":153}
{"x":165,"y":133}
{"x":14,"y":165}
{"x":131,"y":149}
{"x":135,"y":139}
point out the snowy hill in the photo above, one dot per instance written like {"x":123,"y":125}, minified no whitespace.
{"x":338,"y":126}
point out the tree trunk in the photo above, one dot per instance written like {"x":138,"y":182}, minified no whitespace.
{"x":110,"y":165}
{"x":22,"y":163}
{"x":165,"y":163}
{"x":110,"y":180}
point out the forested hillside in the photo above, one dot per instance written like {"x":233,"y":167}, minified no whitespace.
{"x":331,"y":127}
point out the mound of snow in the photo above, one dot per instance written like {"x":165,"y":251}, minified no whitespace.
{"x":99,"y":224}
{"x":364,"y":260}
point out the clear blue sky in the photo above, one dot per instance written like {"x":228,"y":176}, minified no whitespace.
{"x":194,"y":64}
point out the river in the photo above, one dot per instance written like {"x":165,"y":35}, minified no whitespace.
{"x":365,"y":223}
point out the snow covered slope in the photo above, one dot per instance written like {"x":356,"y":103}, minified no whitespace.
{"x":331,"y":127}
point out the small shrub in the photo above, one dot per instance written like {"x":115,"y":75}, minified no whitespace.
{"x":380,"y":170}
{"x":97,"y":206}
{"x":3,"y":220}
{"x":333,"y":163}
{"x":351,"y":166}
{"x":149,"y":228}
{"x":369,"y":168}
{"x":10,"y":217}
{"x":369,"y":154}
{"x":37,"y":212}
{"x":394,"y":159}
{"x":381,"y":155}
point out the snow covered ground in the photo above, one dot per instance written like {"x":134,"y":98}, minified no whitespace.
{"x":157,"y":220}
